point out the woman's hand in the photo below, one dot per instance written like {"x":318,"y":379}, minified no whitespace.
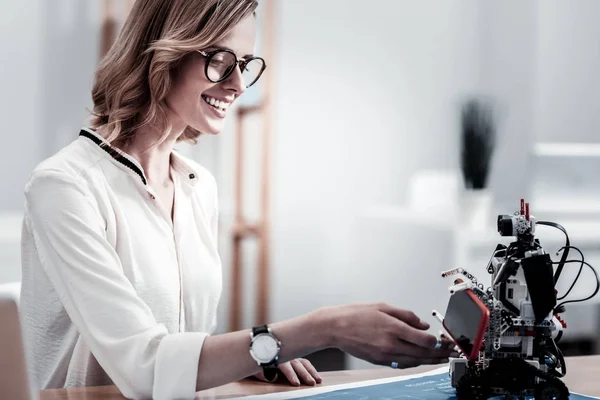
{"x":385,"y":335}
{"x":298,"y":371}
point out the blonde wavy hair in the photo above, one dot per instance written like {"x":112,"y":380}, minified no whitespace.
{"x":135,"y":76}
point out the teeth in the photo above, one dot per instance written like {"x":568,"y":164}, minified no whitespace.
{"x":221,"y":105}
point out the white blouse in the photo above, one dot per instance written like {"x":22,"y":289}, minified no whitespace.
{"x":113,"y":291}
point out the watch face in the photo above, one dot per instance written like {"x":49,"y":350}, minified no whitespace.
{"x":265,"y":348}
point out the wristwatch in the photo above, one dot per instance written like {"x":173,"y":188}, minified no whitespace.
{"x":264,"y":349}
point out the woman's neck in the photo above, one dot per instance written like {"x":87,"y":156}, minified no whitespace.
{"x":155,"y":159}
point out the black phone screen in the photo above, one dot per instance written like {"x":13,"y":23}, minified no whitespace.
{"x":463,"y":319}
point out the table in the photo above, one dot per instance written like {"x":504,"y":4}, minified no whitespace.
{"x":582,"y":377}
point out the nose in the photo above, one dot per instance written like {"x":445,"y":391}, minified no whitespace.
{"x":235,"y":82}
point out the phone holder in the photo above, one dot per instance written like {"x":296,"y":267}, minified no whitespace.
{"x":507,"y":332}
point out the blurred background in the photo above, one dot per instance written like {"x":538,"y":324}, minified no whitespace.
{"x":344,"y":174}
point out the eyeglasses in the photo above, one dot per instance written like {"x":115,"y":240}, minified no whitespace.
{"x":221,"y":63}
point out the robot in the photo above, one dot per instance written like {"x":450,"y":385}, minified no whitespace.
{"x":507,"y":332}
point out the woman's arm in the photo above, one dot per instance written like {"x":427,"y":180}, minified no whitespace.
{"x":378,"y":333}
{"x":226,"y":358}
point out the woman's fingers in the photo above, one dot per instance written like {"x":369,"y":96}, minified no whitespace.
{"x":448,"y":343}
{"x":300,"y":371}
{"x":422,"y":339}
{"x":417,"y":337}
{"x":411,"y":328}
{"x":406,"y":316}
{"x":297,"y":371}
{"x":407,"y":327}
{"x":405,"y":348}
{"x":383,"y":335}
{"x":290,"y":373}
{"x":311,"y":370}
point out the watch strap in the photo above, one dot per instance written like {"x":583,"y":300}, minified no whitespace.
{"x":257,"y":330}
{"x":271,"y":372}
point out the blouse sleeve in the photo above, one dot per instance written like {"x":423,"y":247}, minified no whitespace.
{"x":137,"y":353}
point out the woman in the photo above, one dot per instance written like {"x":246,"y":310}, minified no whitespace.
{"x":121,"y":275}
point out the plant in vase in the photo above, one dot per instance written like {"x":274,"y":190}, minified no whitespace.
{"x":478,"y":141}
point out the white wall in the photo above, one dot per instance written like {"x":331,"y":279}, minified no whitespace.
{"x":567,"y":94}
{"x":366,"y":95}
{"x":49,"y":54}
{"x":507,"y":53}
{"x":568,"y":88}
{"x":20,"y":80}
{"x":70,"y":53}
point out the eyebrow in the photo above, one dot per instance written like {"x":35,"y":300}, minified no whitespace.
{"x":215,"y":47}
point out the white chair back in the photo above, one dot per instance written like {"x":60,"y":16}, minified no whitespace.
{"x":14,"y":380}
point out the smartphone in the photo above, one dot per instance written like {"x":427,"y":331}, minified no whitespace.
{"x":466,"y":320}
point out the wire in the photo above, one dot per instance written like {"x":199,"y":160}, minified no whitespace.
{"x":559,"y":336}
{"x":597,"y":283}
{"x":578,"y":273}
{"x":561,"y":360}
{"x":561,"y":264}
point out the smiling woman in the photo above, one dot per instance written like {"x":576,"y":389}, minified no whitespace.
{"x":120,"y":264}
{"x":167,"y":55}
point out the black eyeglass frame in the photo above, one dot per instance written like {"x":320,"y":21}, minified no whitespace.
{"x":238,"y":63}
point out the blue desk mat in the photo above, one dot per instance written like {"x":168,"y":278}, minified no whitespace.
{"x":433,"y":387}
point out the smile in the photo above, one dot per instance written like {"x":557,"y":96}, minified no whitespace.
{"x":218,"y":104}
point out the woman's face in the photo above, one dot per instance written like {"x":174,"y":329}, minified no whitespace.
{"x":192,"y":92}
